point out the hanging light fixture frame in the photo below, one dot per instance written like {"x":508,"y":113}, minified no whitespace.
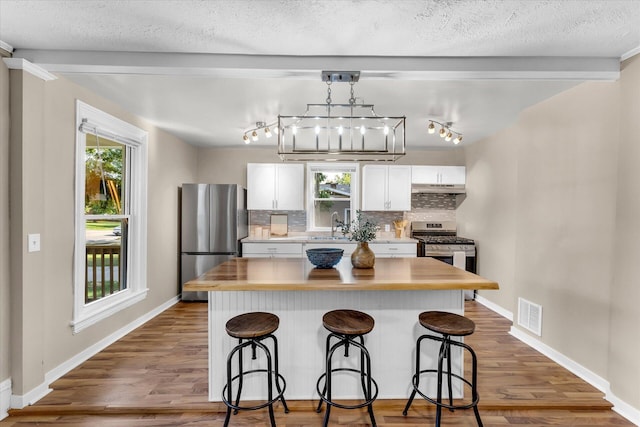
{"x":341,"y":132}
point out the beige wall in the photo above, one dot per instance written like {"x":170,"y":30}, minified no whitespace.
{"x":43,"y":152}
{"x":228,"y":165}
{"x":5,"y":371}
{"x":551,"y":230}
{"x":624,"y":342}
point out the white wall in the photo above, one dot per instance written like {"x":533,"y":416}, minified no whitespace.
{"x":541,"y":201}
{"x":228,"y":165}
{"x":42,"y":175}
{"x":624,"y":334}
{"x":4,"y":225}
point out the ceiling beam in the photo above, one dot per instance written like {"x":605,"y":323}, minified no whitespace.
{"x":309,"y":67}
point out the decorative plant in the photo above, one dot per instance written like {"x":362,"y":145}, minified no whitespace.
{"x":361,"y":229}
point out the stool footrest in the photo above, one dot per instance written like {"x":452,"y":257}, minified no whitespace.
{"x":444,"y":405}
{"x":279,"y":378}
{"x":339,"y":405}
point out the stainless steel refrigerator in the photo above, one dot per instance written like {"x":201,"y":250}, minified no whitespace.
{"x":214,"y":219}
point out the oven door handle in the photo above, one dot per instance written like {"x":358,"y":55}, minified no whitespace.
{"x":439,"y":253}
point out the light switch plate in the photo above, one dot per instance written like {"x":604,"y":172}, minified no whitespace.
{"x":34,"y":242}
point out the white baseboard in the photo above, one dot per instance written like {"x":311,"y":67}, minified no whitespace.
{"x":19,"y":402}
{"x":5,"y":398}
{"x":624,"y":409}
{"x":569,"y":364}
{"x":495,"y":308}
{"x":31,"y":397}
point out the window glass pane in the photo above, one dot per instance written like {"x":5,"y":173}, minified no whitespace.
{"x":104,"y":163}
{"x":332,"y":185}
{"x":106,"y":255}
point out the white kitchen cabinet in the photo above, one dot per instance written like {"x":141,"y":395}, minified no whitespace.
{"x":438,"y":175}
{"x":386,"y":188}
{"x":272,"y":250}
{"x":272,"y":186}
{"x":394,"y":250}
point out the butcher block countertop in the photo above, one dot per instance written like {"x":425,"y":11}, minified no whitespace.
{"x":298,"y":274}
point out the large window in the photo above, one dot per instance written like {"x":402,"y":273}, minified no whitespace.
{"x":110,"y":257}
{"x":332,"y":190}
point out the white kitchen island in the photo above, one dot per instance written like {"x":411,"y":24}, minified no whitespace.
{"x":393,"y":293}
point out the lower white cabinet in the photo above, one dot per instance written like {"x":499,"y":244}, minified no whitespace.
{"x":394,"y":250}
{"x":272,"y":250}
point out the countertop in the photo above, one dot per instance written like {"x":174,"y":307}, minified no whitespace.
{"x":321,"y":239}
{"x":298,"y":274}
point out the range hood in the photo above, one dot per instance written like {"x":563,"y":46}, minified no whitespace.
{"x":438,"y":188}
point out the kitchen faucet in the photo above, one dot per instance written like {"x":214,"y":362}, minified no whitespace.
{"x":333,"y":228}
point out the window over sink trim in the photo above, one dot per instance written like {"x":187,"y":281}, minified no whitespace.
{"x":326,"y":167}
{"x":90,"y":120}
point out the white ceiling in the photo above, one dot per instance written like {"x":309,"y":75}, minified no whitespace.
{"x":208,"y":70}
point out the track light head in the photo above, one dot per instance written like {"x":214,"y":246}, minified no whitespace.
{"x":246,"y":139}
{"x":431,"y":128}
{"x":267,"y":132}
{"x":448,"y":136}
{"x":442,"y":132}
{"x":458,"y":140}
{"x":254,"y":135}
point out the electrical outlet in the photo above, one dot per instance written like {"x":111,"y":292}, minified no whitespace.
{"x":34,"y":242}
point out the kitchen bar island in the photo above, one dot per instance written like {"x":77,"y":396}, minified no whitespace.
{"x":394,"y":292}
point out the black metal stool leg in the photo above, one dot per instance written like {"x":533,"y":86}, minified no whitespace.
{"x":240,"y":379}
{"x":277,"y":372}
{"x":439,"y":391}
{"x":416,"y":377}
{"x":324,"y":389}
{"x":448,"y":356}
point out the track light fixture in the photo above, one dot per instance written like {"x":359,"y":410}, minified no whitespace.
{"x":253,"y":133}
{"x":445,"y":131}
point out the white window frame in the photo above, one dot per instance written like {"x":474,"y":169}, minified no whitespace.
{"x":87,"y":314}
{"x":312,"y":168}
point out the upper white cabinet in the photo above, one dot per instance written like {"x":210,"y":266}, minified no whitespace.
{"x":274,"y":186}
{"x":438,"y":175}
{"x":386,"y":188}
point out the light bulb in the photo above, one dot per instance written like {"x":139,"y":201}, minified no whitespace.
{"x":267,"y":132}
{"x":448,"y":137}
{"x":317,"y":130}
{"x":254,"y":135}
{"x":362,"y":130}
{"x":294,"y":129}
{"x":458,"y":140}
{"x":246,"y":139}
{"x":442,"y":133}
{"x":340,"y":130}
{"x":276,"y":130}
{"x":431,"y":128}
{"x":386,"y":130}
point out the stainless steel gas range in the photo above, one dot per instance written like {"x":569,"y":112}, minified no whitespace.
{"x":440,"y":240}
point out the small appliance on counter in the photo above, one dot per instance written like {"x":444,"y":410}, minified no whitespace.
{"x":214,"y":220}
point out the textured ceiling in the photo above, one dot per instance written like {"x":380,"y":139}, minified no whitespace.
{"x":387,"y":40}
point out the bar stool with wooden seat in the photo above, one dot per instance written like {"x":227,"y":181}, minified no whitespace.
{"x":349,"y":328}
{"x":448,"y":325}
{"x":251,"y":329}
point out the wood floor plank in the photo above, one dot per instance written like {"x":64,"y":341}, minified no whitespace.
{"x":157,"y":376}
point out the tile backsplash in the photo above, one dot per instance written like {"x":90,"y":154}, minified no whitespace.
{"x":424,"y":207}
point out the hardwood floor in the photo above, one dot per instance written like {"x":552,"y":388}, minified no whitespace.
{"x":157,"y":376}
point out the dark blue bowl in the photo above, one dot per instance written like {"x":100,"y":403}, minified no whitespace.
{"x":324,"y":257}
